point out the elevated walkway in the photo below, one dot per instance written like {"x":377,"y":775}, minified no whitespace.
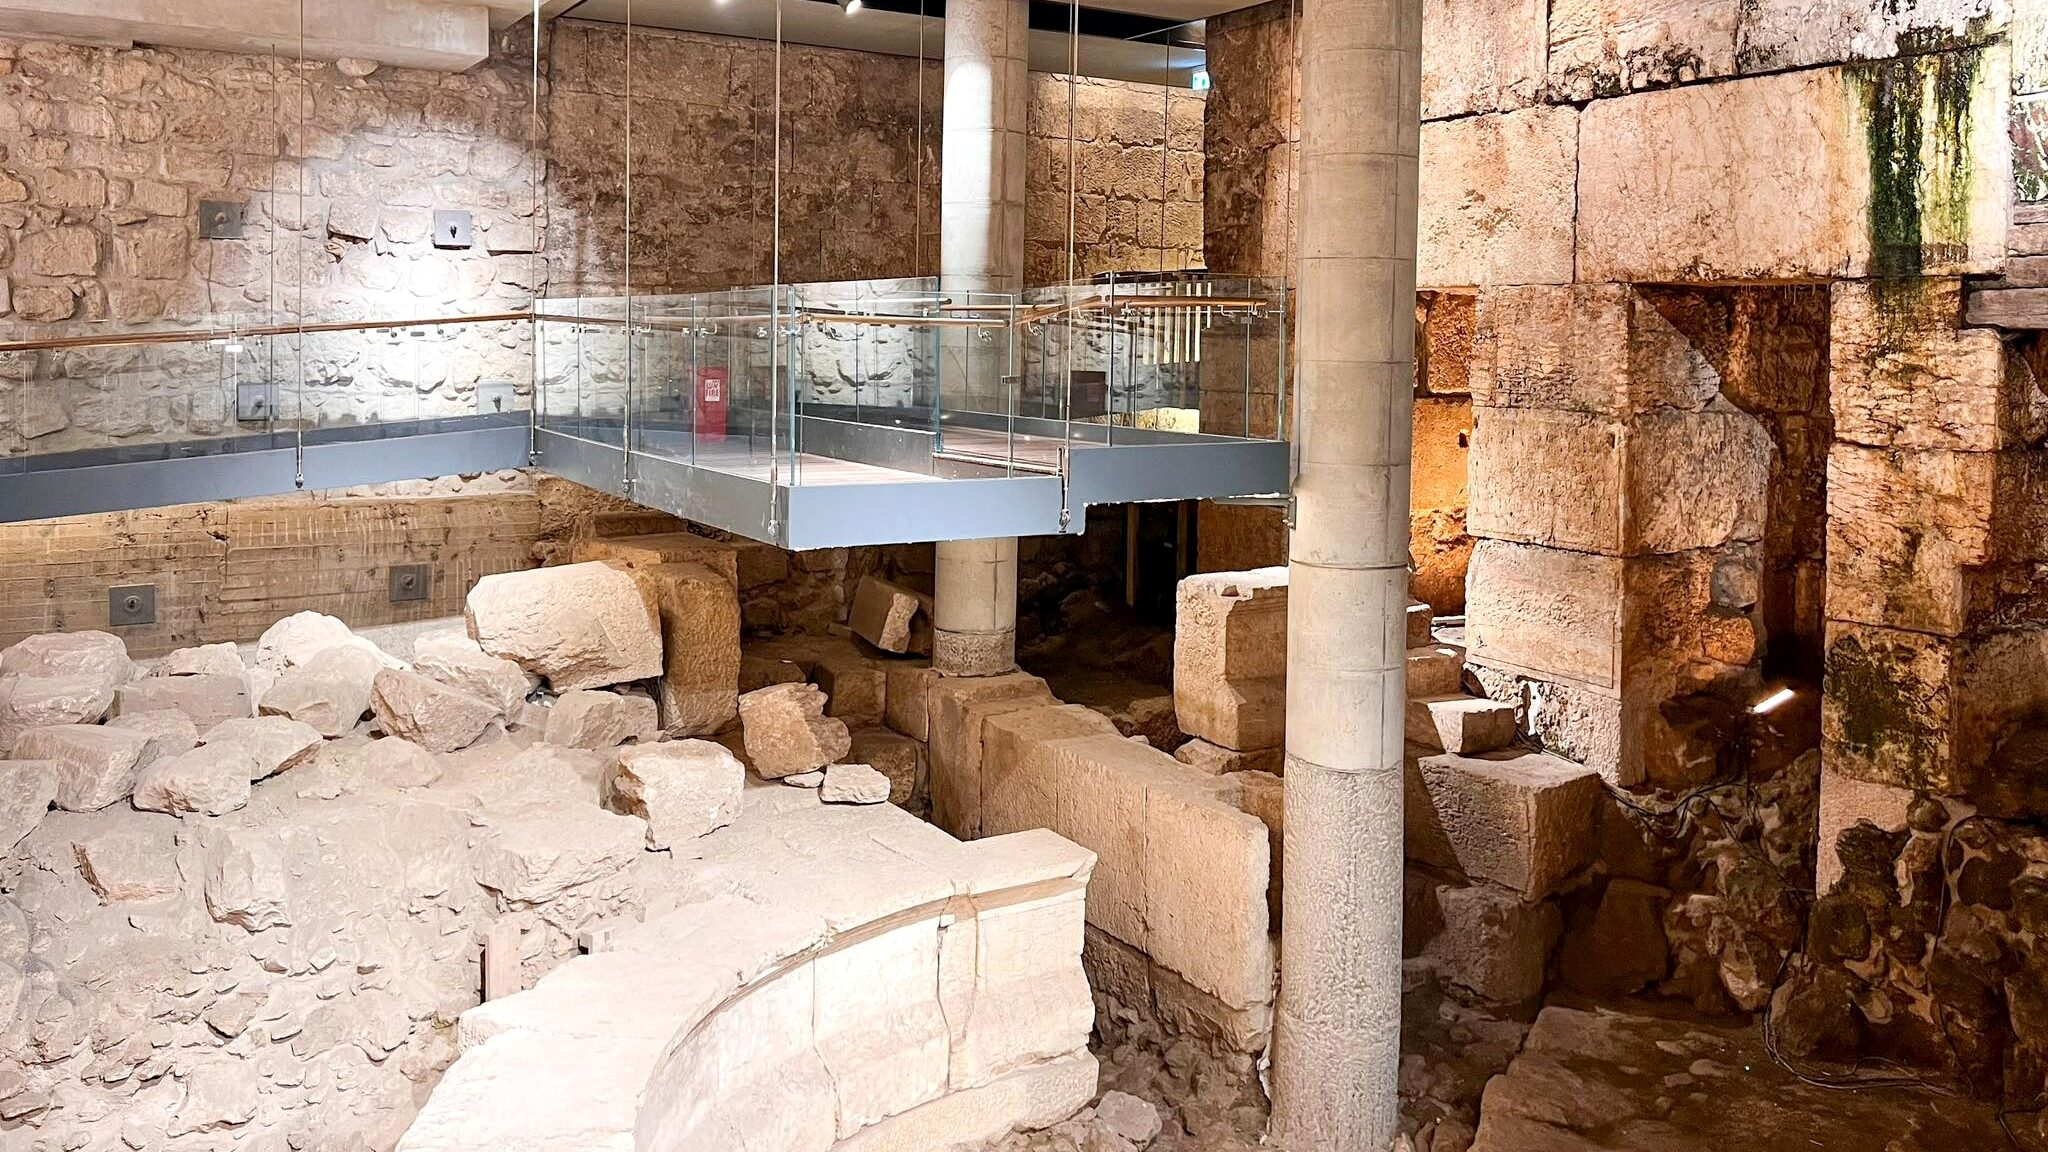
{"x":809,"y":416}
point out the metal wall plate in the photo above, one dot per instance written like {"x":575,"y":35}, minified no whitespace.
{"x":131,"y":604}
{"x":222,"y":219}
{"x":451,"y":228}
{"x":410,"y":582}
{"x":252,"y":403}
{"x":494,"y":397}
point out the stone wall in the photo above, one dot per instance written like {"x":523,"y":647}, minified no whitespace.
{"x":1137,"y":156}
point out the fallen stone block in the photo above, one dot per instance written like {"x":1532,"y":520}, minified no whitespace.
{"x":95,"y":764}
{"x":1152,"y":717}
{"x":303,"y":635}
{"x":1521,"y":820}
{"x":277,"y":742}
{"x":170,"y":731}
{"x":330,"y":691}
{"x":1437,"y":670}
{"x":428,"y":712}
{"x":1494,"y":943}
{"x":1459,"y":723}
{"x":537,"y":855}
{"x":1619,"y":949}
{"x":207,"y":699}
{"x":787,"y":732}
{"x":100,"y":655}
{"x":959,"y":705}
{"x":459,"y":662}
{"x":245,"y":879}
{"x":885,"y":614}
{"x":203,"y":660}
{"x":699,"y":610}
{"x":27,"y":789}
{"x":853,"y":784}
{"x":39,"y":701}
{"x":596,"y":719}
{"x":1230,"y":657}
{"x":761,"y":671}
{"x":681,"y":788}
{"x":394,"y":763}
{"x":812,"y":779}
{"x":1217,"y":760}
{"x":1019,"y":777}
{"x":1421,"y":618}
{"x":210,"y":780}
{"x":579,"y":626}
{"x":894,"y":755}
{"x":133,"y":858}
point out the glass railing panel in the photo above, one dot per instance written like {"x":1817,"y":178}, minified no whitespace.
{"x":582,"y":342}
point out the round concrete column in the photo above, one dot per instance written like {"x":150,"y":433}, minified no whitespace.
{"x":981,"y":249}
{"x":1337,"y":1028}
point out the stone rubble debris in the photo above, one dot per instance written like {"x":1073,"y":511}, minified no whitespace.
{"x":683,"y":789}
{"x":601,"y":719}
{"x":853,"y":784}
{"x":579,"y":625}
{"x":787,"y":732}
{"x":427,"y":712}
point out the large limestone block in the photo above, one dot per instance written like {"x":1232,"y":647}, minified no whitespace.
{"x":593,"y":719}
{"x":101,"y":655}
{"x":537,"y":855}
{"x":329,"y":691}
{"x":1564,"y":348}
{"x":459,"y":662}
{"x":1103,"y":783}
{"x":275,"y":743}
{"x":1216,"y":760}
{"x":428,"y":712}
{"x":27,"y":789}
{"x":1844,"y":803}
{"x":1523,"y":820}
{"x":201,"y":660}
{"x":1022,"y":998}
{"x":700,"y":638}
{"x":1019,"y":779}
{"x":579,"y":626}
{"x":1230,"y":657}
{"x":1481,"y":56}
{"x":1494,"y":942}
{"x":95,"y":765}
{"x":1501,"y":190}
{"x":303,"y":635}
{"x":856,"y":688}
{"x":170,"y":732}
{"x":650,"y":550}
{"x":1031,"y":1098}
{"x":1463,"y":724}
{"x":878,"y":1025}
{"x":1780,"y":34}
{"x":1263,"y":795}
{"x":894,"y":755}
{"x":210,"y":780}
{"x":959,"y":707}
{"x":1611,"y":47}
{"x":37,"y":701}
{"x":207,"y":699}
{"x":1794,"y":175}
{"x":1902,"y":374}
{"x":787,"y":732}
{"x":1207,"y":867}
{"x":1437,"y":670}
{"x":681,"y":788}
{"x":1546,"y":611}
{"x":907,"y":705}
{"x":886,"y":615}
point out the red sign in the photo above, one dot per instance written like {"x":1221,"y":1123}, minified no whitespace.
{"x":711,"y":401}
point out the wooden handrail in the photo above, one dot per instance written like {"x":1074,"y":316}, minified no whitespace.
{"x":205,"y":335}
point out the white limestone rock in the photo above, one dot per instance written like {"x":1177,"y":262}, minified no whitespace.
{"x":206,"y":698}
{"x":539,"y":854}
{"x":298,"y":638}
{"x":101,"y":655}
{"x":27,"y":789}
{"x":682,"y":788}
{"x":1133,"y":1118}
{"x":134,"y":858}
{"x":579,"y":625}
{"x":459,"y":662}
{"x":853,"y":784}
{"x":210,"y":780}
{"x":393,"y":763}
{"x":598,"y":719}
{"x":169,"y":730}
{"x":428,"y":712}
{"x":37,"y":701}
{"x":276,"y":743}
{"x":219,"y":1095}
{"x":204,"y":660}
{"x":245,"y":880}
{"x":329,"y":691}
{"x":96,"y":765}
{"x":787,"y":732}
{"x":810,"y":779}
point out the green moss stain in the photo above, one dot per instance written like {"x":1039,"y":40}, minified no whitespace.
{"x":1917,"y":120}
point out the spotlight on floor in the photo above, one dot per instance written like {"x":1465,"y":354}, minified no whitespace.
{"x":849,"y":6}
{"x":1772,"y":702}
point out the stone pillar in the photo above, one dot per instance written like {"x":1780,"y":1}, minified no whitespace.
{"x":981,"y":249}
{"x":1337,"y":1030}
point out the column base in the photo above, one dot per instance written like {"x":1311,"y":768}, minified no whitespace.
{"x":974,"y":653}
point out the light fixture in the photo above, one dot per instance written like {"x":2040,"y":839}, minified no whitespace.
{"x":1772,"y":702}
{"x":850,"y":6}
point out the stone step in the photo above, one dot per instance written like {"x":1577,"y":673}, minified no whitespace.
{"x":1523,"y":820}
{"x":1462,"y":724}
{"x":1435,"y":670}
{"x":1420,"y":617}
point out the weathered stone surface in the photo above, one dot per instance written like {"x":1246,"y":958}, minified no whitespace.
{"x":1791,"y":180}
{"x":1846,"y":802}
{"x":457,"y":661}
{"x":1481,"y":56}
{"x":587,"y":719}
{"x":1521,"y":820}
{"x":1501,"y":194}
{"x":132,"y":858}
{"x":1216,"y":760}
{"x":960,"y":706}
{"x":1607,"y":48}
{"x":101,"y":655}
{"x":1778,"y":34}
{"x":37,"y":701}
{"x":1495,"y":942}
{"x":276,"y":742}
{"x":1620,"y":948}
{"x":428,"y":712}
{"x":908,"y":706}
{"x":95,"y":765}
{"x":1230,"y":657}
{"x":394,"y":763}
{"x":329,"y":691}
{"x":537,"y":854}
{"x":207,"y":699}
{"x":1546,"y":610}
{"x":210,"y":780}
{"x":579,"y":626}
{"x":1437,"y":670}
{"x":1902,"y":374}
{"x":886,"y":615}
{"x":896,"y":756}
{"x":1134,"y":1119}
{"x":811,"y":779}
{"x":1019,"y":779}
{"x":787,"y":732}
{"x":27,"y":789}
{"x":762,"y":671}
{"x":170,"y":731}
{"x":1207,"y":869}
{"x":652,"y":549}
{"x":1462,"y":724}
{"x":303,"y":635}
{"x":699,"y":610}
{"x":681,"y":788}
{"x":853,"y":784}
{"x":203,"y":660}
{"x":856,"y":688}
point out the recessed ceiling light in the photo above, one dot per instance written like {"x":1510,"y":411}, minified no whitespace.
{"x":850,"y":6}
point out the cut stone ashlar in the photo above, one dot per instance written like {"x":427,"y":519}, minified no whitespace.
{"x":578,"y":625}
